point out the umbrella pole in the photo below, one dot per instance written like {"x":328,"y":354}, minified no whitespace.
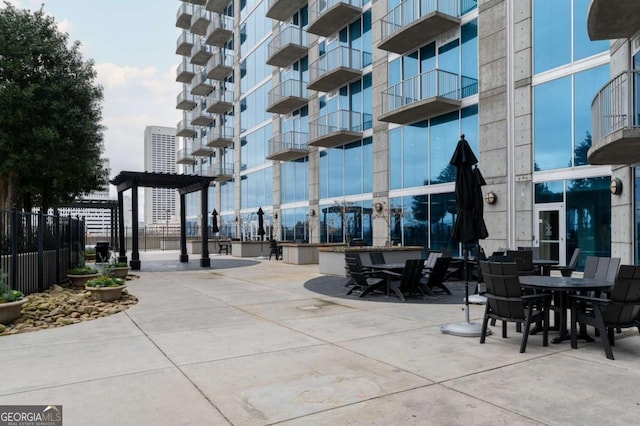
{"x":466,"y":282}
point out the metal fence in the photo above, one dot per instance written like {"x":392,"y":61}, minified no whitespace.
{"x":154,"y":237}
{"x":36,"y":250}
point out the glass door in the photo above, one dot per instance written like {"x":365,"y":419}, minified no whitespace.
{"x":550,"y":232}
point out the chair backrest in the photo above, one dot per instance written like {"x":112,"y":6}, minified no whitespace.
{"x":607,"y":268}
{"x":574,"y":258}
{"x":431,"y":260}
{"x":439,"y":270}
{"x":524,"y":260}
{"x":376,"y":257}
{"x":504,"y":295}
{"x":590,"y":267}
{"x":354,"y":266}
{"x":273,"y":243}
{"x":535,"y":251}
{"x":624,"y":307}
{"x":501,"y":258}
{"x":411,"y":275}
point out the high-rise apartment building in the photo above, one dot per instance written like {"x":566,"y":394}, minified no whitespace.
{"x":159,"y":157}
{"x":339,"y":118}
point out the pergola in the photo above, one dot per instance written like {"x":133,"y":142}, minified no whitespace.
{"x":185,"y":184}
{"x":112,"y":205}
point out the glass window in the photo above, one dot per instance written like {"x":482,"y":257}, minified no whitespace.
{"x":587,"y":84}
{"x":395,"y":158}
{"x":469,"y":60}
{"x":583,"y":47}
{"x":443,"y":216}
{"x":415,"y":154}
{"x":353,"y":169}
{"x":449,"y":57}
{"x":551,"y":34}
{"x":549,"y":192}
{"x":589,"y":216}
{"x":552,"y":125}
{"x":445,"y":133}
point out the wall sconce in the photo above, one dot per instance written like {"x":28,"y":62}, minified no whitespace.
{"x":378,"y":207}
{"x":490,"y":198}
{"x":237,"y":218}
{"x":275,"y":215}
{"x":616,"y":186}
{"x":312,"y":212}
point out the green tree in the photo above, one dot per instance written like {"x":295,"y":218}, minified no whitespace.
{"x":51,"y":136}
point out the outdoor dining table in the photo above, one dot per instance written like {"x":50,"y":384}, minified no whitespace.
{"x":545,"y":265}
{"x":561,"y":287}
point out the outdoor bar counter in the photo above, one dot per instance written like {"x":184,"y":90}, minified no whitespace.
{"x":303,"y":253}
{"x":331,"y":259}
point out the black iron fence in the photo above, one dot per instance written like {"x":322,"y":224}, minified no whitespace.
{"x":36,"y":249}
{"x":154,"y":237}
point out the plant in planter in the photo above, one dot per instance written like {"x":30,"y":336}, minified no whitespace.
{"x":117,"y":269}
{"x":90,"y":254}
{"x":80,"y":274}
{"x":11,"y":301}
{"x":105,"y":288}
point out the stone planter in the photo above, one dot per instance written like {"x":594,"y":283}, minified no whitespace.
{"x":11,"y":310}
{"x":120,"y":272}
{"x":90,"y":257}
{"x":106,"y":294}
{"x":81,"y":280}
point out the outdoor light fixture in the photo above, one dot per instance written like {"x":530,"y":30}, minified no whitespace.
{"x":491,"y":198}
{"x":275,"y":215}
{"x":616,"y":186}
{"x":312,"y":212}
{"x":378,"y":207}
{"x":236,"y":218}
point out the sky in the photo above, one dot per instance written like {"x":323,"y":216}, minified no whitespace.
{"x":132,"y":43}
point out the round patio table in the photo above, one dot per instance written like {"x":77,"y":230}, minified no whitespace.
{"x":561,"y":286}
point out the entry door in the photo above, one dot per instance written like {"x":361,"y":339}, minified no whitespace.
{"x":550,"y":232}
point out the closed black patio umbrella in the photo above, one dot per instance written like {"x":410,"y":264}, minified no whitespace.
{"x":214,"y":222}
{"x":261,"y":230}
{"x":469,"y":226}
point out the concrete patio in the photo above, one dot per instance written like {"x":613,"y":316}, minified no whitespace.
{"x":250,"y":345}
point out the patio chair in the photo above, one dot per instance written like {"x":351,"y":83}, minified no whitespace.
{"x":433,"y":279}
{"x":376,"y":257}
{"x":407,"y":283}
{"x":567,"y":270}
{"x":506,"y":302}
{"x":524,"y":260}
{"x":275,"y":249}
{"x":362,"y":281}
{"x":620,"y":310}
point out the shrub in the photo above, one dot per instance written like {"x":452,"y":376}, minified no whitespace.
{"x":105,"y":281}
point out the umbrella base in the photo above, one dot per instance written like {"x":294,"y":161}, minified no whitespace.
{"x":262,"y":258}
{"x":464,"y":329}
{"x":476,"y":299}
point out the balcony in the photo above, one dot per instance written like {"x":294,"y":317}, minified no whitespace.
{"x":336,"y":68}
{"x":219,"y":30}
{"x":199,"y":148}
{"x":281,"y":10}
{"x":608,"y":20}
{"x":220,"y":64}
{"x":425,"y":95}
{"x":184,"y":44}
{"x":200,"y":115}
{"x":185,"y":129}
{"x":413,"y":23}
{"x":220,"y":171}
{"x":287,"y":96}
{"x":615,"y":121}
{"x":200,"y":20}
{"x":288,"y":146}
{"x":220,"y":137}
{"x":220,"y":101}
{"x":201,"y":85}
{"x":184,"y":157}
{"x":201,"y":52}
{"x":198,"y":2}
{"x":287,"y":46}
{"x":328,"y":16}
{"x":183,"y":16}
{"x":336,"y":129}
{"x":185,"y":101}
{"x":185,"y":72}
{"x":217,"y":6}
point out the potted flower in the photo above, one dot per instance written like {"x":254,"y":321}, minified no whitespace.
{"x":90,"y":254}
{"x":80,"y":274}
{"x":11,"y":301}
{"x":117,"y":269}
{"x":105,"y":288}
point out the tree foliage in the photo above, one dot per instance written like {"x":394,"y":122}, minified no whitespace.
{"x":51,"y":136}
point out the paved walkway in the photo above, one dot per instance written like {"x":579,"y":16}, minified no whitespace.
{"x":251,"y":346}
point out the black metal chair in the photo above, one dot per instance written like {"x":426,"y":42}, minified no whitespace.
{"x":524,"y":260}
{"x":434,"y":278}
{"x":275,"y":249}
{"x":376,"y":257}
{"x":362,"y":281}
{"x":567,"y":270}
{"x":506,"y":302}
{"x":407,"y":283}
{"x":620,"y":310}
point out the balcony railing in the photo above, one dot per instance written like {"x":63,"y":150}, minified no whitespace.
{"x":199,"y":148}
{"x":282,"y":10}
{"x":286,"y":47}
{"x":185,"y":129}
{"x":220,"y":171}
{"x":183,"y":16}
{"x":200,"y":115}
{"x":328,"y":16}
{"x":185,"y":72}
{"x":200,"y":20}
{"x":184,"y":44}
{"x":220,"y":64}
{"x":615,"y":121}
{"x":220,"y":137}
{"x":219,"y":30}
{"x":220,"y":101}
{"x":338,"y":128}
{"x":425,"y":95}
{"x":201,"y":85}
{"x":185,"y":100}
{"x":287,"y":96}
{"x":412,"y":23}
{"x":183,"y":156}
{"x":336,"y":68}
{"x":201,"y":52}
{"x":288,"y":146}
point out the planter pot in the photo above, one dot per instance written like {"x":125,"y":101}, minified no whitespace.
{"x":11,"y":310}
{"x":81,"y":280}
{"x":90,"y":257}
{"x":119,"y":272}
{"x":106,"y":294}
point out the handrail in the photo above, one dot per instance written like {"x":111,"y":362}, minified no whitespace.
{"x":615,"y":106}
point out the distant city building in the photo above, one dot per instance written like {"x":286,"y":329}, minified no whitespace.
{"x":159,"y":157}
